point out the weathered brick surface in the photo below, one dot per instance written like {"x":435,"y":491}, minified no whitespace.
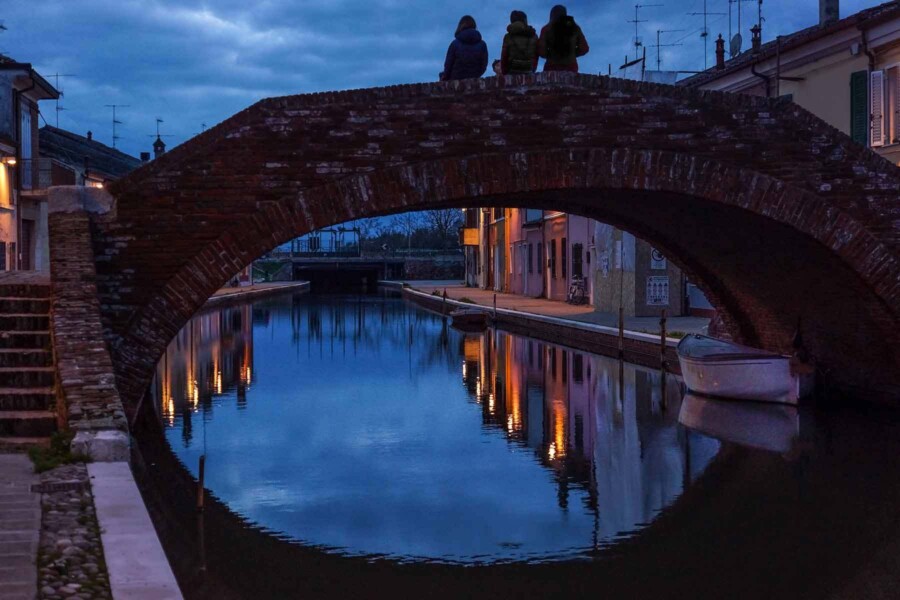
{"x":87,"y":386}
{"x":776,"y":215}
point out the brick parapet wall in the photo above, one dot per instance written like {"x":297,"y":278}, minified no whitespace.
{"x":87,"y":392}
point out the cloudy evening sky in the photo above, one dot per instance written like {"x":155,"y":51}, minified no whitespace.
{"x":192,"y":62}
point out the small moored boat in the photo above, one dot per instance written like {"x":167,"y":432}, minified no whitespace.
{"x":469,"y":319}
{"x":723,"y":369}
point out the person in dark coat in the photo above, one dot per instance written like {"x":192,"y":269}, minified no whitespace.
{"x":467,"y":56}
{"x":561,"y":42}
{"x":520,"y":53}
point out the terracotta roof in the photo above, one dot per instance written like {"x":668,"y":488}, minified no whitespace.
{"x":72,"y":149}
{"x":868,"y":17}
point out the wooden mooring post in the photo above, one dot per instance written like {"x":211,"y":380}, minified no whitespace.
{"x":200,"y":476}
{"x":621,"y":332}
{"x":662,"y":338}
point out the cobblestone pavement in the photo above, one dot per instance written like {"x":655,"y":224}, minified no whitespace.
{"x":70,"y":558}
{"x":20,"y":521}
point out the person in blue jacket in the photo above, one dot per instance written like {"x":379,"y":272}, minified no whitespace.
{"x":467,"y":56}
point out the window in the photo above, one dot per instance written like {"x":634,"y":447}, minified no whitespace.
{"x":533,"y":216}
{"x":565,"y":252}
{"x":530,"y":258}
{"x":577,"y":257}
{"x":551,"y":258}
{"x":883,"y":105}
{"x":565,"y":366}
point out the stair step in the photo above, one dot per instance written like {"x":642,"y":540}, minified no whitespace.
{"x":24,"y":322}
{"x":20,"y":357}
{"x":13,"y":305}
{"x":37,"y":340}
{"x":24,"y":290}
{"x":26,"y":398}
{"x":26,"y":377}
{"x":27,"y":423}
{"x":22,"y":444}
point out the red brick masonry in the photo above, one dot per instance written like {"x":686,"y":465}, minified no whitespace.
{"x":773,"y":213}
{"x":87,"y":383}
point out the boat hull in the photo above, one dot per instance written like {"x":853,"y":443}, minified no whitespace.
{"x":764,"y":379}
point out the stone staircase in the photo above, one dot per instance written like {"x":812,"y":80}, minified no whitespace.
{"x":27,"y":374}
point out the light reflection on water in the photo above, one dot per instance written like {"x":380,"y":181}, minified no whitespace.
{"x":366,"y":425}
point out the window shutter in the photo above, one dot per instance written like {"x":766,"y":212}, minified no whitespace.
{"x":876,"y":100}
{"x":859,"y":107}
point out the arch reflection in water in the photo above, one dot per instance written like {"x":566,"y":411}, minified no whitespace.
{"x":372,"y":427}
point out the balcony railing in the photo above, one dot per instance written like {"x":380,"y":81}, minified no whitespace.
{"x":36,"y":174}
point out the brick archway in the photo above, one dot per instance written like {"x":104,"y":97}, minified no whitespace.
{"x":777,"y":215}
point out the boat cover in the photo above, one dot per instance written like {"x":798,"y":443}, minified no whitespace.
{"x":703,"y":348}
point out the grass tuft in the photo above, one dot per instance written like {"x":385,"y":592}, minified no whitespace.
{"x":59,"y":453}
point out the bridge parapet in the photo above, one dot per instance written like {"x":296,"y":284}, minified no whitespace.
{"x":87,"y":381}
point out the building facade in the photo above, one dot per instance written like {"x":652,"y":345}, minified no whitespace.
{"x":540,"y":254}
{"x":23,"y":180}
{"x":846,"y":71}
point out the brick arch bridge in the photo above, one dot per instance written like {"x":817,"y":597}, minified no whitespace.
{"x":775,"y":214}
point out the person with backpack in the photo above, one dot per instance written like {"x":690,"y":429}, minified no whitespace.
{"x":467,"y":56}
{"x":561,"y":42}
{"x":520,"y":53}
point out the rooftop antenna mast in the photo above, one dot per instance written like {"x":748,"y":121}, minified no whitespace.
{"x":637,"y":20}
{"x":115,"y":121}
{"x":737,"y":39}
{"x":704,"y":34}
{"x":59,"y":108}
{"x":660,"y":45}
{"x":159,"y":135}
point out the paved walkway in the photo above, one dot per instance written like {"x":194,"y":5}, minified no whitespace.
{"x":20,"y":526}
{"x":553,"y":308}
{"x":255,"y":288}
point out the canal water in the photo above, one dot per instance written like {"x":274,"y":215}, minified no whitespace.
{"x":367,"y":425}
{"x":361,"y":434}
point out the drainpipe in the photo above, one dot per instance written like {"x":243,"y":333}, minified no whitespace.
{"x":765,"y":78}
{"x":866,"y":51}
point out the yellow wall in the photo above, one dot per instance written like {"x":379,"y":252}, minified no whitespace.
{"x":825,"y":91}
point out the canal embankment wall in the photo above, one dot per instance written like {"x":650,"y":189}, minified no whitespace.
{"x":639,"y":348}
{"x":228,"y":296}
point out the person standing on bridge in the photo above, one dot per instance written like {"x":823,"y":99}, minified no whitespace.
{"x":467,"y":56}
{"x":519,"y":54}
{"x":561,"y":42}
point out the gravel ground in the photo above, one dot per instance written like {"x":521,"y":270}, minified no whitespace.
{"x":70,"y":557}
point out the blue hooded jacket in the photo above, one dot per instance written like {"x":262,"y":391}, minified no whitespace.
{"x":467,"y":56}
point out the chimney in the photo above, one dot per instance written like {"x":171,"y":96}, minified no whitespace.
{"x":720,"y":53}
{"x":756,"y":32}
{"x":159,"y":147}
{"x":90,"y":135}
{"x":145,"y":157}
{"x":829,"y":11}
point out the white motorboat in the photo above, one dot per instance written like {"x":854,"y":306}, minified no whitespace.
{"x":723,"y":369}
{"x":774,"y":427}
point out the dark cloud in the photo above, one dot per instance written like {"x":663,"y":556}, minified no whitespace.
{"x":191,"y":62}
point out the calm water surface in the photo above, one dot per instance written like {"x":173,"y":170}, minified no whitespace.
{"x":367,"y":426}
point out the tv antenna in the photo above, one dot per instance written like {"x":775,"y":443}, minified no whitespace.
{"x":159,"y":135}
{"x":59,"y":108}
{"x":659,"y":45}
{"x":736,"y":40}
{"x":115,"y":121}
{"x":704,"y":33}
{"x":637,"y":20}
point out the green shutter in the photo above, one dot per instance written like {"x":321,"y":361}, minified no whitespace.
{"x":859,"y":107}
